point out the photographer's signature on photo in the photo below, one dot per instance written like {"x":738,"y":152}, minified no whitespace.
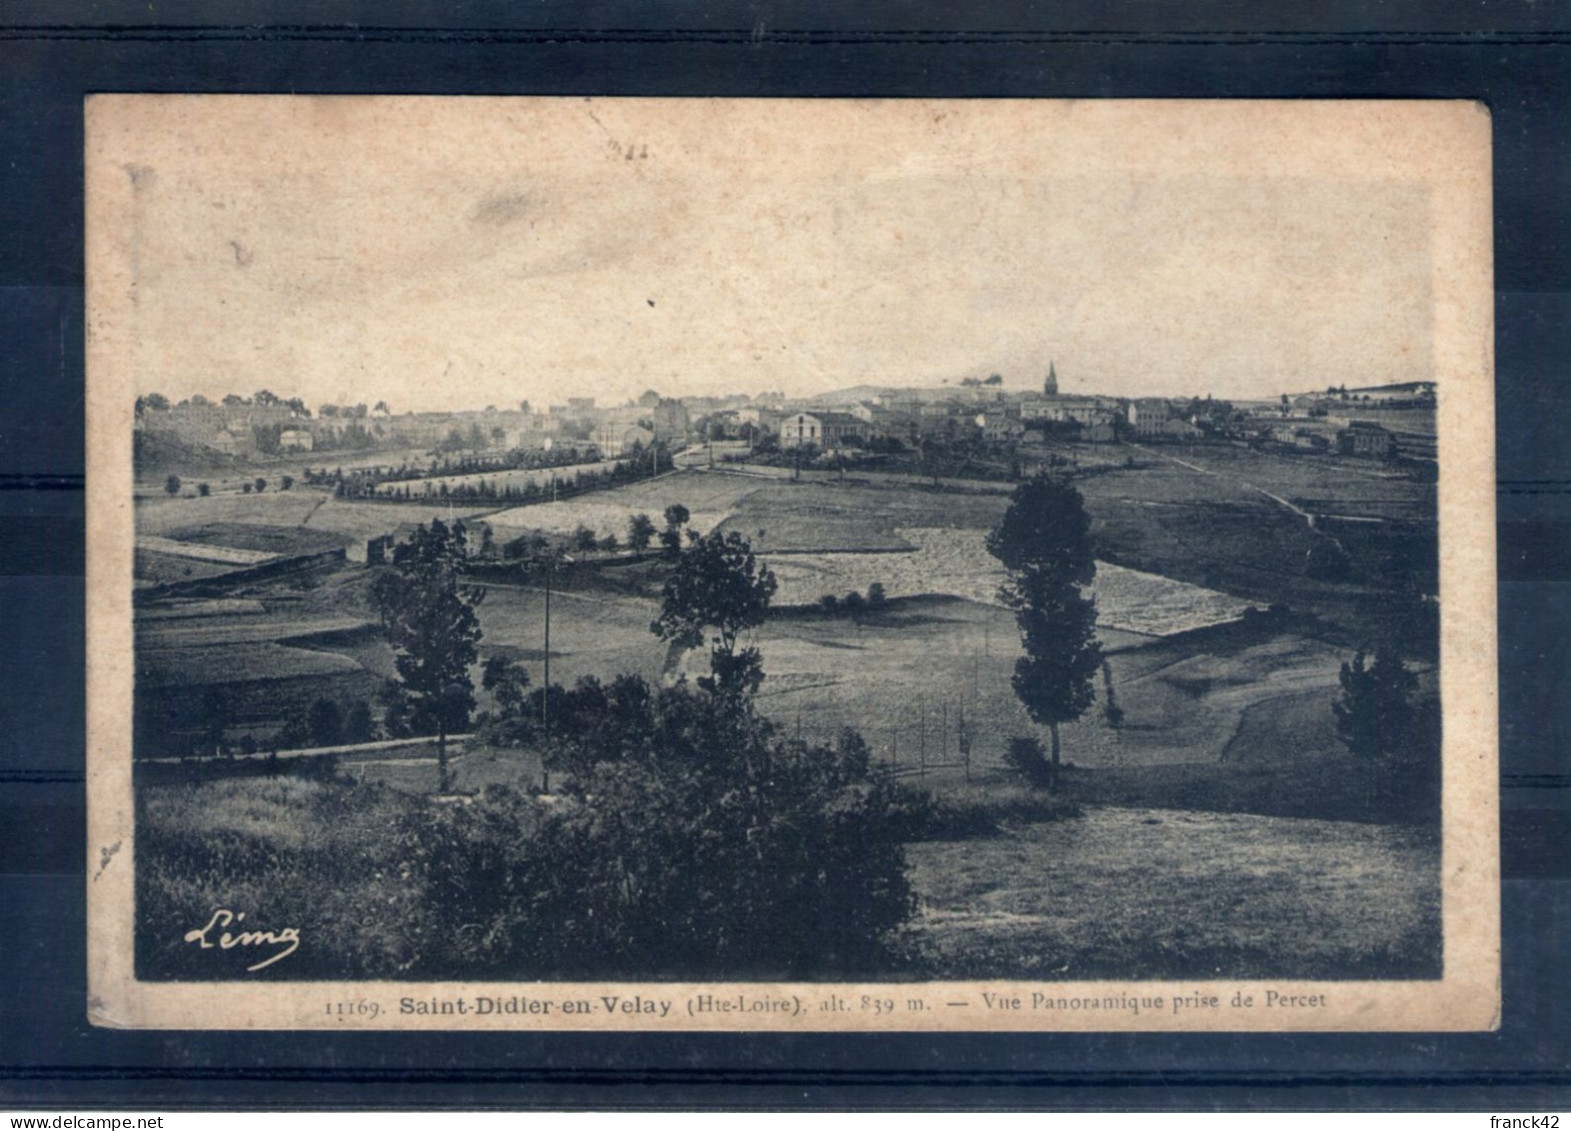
{"x":287,"y":937}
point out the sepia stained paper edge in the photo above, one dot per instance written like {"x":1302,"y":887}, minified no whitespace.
{"x":1466,"y":998}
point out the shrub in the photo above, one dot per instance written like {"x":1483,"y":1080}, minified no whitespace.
{"x":875,"y":595}
{"x":689,"y":841}
{"x":853,"y":602}
{"x":296,"y":732}
{"x":326,"y":723}
{"x":359,"y":725}
{"x":1027,"y":758}
{"x":203,"y":490}
{"x":830,"y":602}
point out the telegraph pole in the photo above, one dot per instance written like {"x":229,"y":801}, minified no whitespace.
{"x":545,"y":698}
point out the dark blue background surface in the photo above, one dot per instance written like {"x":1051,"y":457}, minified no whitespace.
{"x":1514,"y":57}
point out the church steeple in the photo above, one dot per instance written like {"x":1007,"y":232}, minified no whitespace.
{"x":1050,"y":386}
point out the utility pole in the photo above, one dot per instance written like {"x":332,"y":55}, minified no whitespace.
{"x":545,"y":697}
{"x":963,"y":737}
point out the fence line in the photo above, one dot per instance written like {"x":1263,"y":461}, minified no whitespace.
{"x":310,"y":751}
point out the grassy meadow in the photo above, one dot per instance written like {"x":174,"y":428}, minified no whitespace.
{"x":1131,"y":893}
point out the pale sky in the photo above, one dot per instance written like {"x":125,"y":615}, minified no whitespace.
{"x":450,"y":253}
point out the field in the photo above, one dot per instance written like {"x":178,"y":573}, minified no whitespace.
{"x":153,"y":568}
{"x":710,"y":498}
{"x":216,"y":663}
{"x":917,"y":677}
{"x":164,"y":515}
{"x":316,"y":513}
{"x":591,"y":633}
{"x":956,"y":563}
{"x":1322,"y":484}
{"x":1142,"y":893}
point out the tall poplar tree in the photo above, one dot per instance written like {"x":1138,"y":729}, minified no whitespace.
{"x":1044,"y":541}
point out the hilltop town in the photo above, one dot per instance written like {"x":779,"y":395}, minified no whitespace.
{"x":980,"y":416}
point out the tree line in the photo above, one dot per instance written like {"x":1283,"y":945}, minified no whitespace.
{"x":427,"y":484}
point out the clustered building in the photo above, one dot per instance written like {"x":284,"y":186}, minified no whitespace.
{"x":866,"y":416}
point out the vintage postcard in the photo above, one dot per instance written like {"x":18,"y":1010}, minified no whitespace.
{"x":670,"y":564}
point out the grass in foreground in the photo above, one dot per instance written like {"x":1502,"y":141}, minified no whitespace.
{"x":1009,"y":883}
{"x":1157,"y":894}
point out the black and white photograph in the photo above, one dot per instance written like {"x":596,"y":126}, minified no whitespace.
{"x":640,"y":563}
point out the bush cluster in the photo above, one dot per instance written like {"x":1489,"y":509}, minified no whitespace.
{"x":687,"y":839}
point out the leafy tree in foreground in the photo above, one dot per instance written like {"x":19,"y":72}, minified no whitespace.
{"x":431,"y":623}
{"x":1044,"y":542}
{"x":718,"y":584}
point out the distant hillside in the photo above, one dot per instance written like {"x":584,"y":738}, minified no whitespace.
{"x":1410,"y":388}
{"x":1402,"y":387}
{"x":154,"y":453}
{"x":857,"y":393}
